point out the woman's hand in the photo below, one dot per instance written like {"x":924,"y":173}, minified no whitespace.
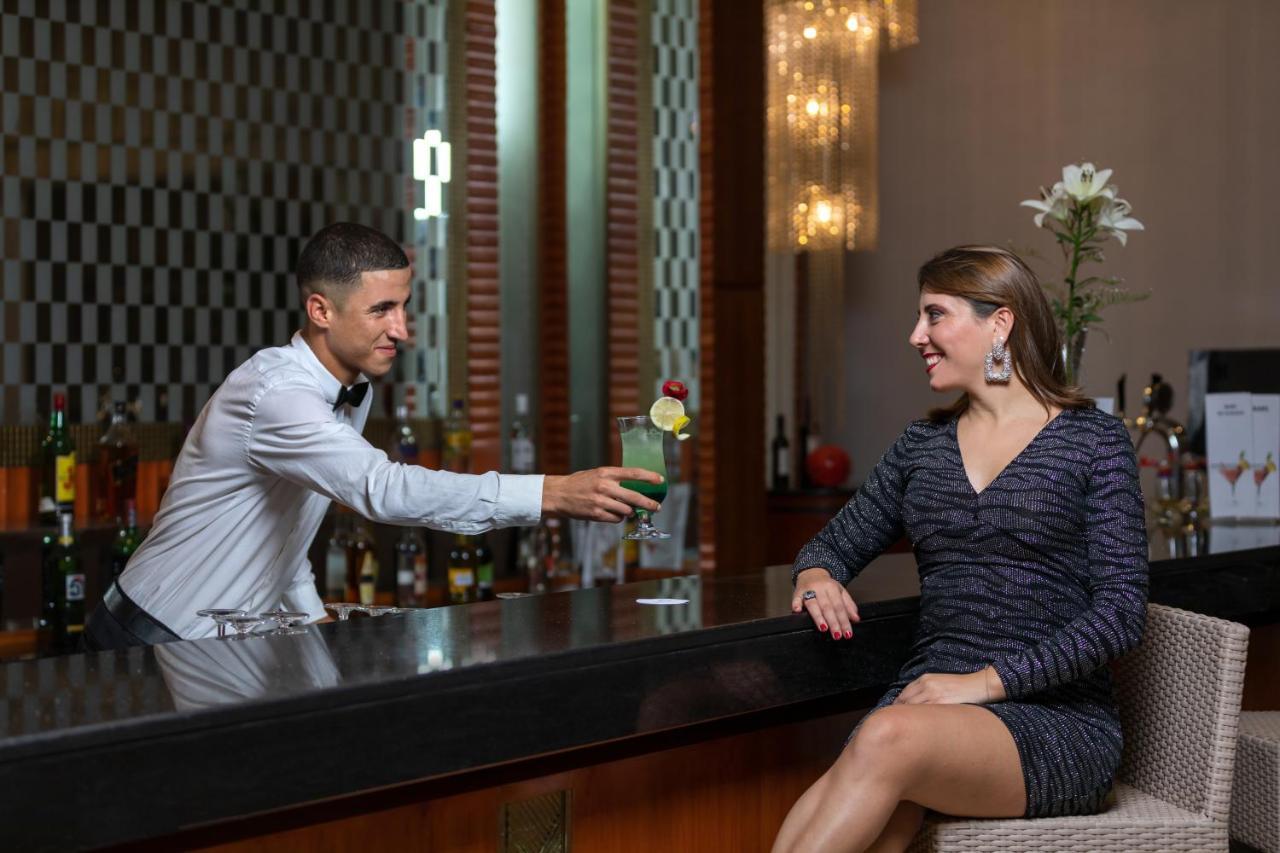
{"x":939,"y":688}
{"x":830,"y":605}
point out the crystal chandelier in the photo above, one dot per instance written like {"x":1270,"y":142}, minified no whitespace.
{"x":821,"y":117}
{"x":822,"y":71}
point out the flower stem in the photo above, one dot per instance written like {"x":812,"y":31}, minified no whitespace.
{"x":1079,"y":234}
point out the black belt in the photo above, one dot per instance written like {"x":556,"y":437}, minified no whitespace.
{"x":134,"y":619}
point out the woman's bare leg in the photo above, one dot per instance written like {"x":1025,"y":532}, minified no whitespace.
{"x":902,"y":827}
{"x":802,"y":813}
{"x":956,"y":759}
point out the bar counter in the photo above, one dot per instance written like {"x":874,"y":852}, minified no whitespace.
{"x":112,"y":748}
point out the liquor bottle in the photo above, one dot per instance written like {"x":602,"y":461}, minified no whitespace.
{"x":521,"y":445}
{"x":126,"y":542}
{"x":1,"y":590}
{"x":58,"y":477}
{"x":66,"y":583}
{"x":420,"y":582}
{"x":48,"y":598}
{"x":359,"y":543}
{"x":814,"y":440}
{"x":335,"y":561}
{"x":528,"y":561}
{"x":802,"y":446}
{"x":116,"y":472}
{"x":411,"y":569}
{"x":551,"y":549}
{"x":457,"y":440}
{"x":368,"y":578}
{"x":462,"y":576}
{"x":781,"y":452}
{"x":484,"y":570}
{"x":404,"y":444}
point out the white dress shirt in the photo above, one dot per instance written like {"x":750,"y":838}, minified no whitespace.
{"x":255,"y":477}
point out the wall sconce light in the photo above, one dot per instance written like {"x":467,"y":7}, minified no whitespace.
{"x":431,"y":166}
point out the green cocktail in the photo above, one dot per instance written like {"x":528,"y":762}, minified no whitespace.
{"x":642,"y":448}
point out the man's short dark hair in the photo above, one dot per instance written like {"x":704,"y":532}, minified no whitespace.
{"x":335,"y":258}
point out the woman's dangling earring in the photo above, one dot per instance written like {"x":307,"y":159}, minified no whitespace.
{"x":999,"y":353}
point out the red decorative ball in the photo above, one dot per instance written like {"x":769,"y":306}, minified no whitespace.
{"x":828,"y":466}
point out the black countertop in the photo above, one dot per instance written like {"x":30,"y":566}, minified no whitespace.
{"x":106,"y":748}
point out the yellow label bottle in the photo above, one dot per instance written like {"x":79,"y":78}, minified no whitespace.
{"x":65,"y":479}
{"x":368,"y":579}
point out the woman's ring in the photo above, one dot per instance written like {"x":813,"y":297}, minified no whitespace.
{"x":809,"y":595}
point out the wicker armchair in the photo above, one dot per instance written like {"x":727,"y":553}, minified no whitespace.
{"x":1179,"y":698}
{"x":1255,"y":800}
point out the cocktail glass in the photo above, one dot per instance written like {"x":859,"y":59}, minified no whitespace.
{"x":220,"y":615}
{"x":287,"y":621}
{"x":642,"y":442}
{"x":1231,"y":473}
{"x":343,"y":610}
{"x":244,"y":625}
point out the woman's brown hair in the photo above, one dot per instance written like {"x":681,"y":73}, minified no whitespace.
{"x":989,"y":277}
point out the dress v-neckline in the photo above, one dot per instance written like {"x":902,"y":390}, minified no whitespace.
{"x":964,"y":469}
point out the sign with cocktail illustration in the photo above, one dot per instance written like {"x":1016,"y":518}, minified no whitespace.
{"x":1242,"y":437}
{"x":1266,"y":453}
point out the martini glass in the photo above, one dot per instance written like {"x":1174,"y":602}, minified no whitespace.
{"x":244,"y":624}
{"x":220,"y":615}
{"x":287,"y":621}
{"x":343,"y":610}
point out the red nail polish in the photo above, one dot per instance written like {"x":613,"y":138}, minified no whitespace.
{"x":848,"y":634}
{"x":822,"y":627}
{"x":835,"y":635}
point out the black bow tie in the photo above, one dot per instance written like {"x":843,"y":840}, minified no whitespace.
{"x":353,"y":395}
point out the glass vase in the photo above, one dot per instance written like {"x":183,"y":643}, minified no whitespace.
{"x":1073,"y":356}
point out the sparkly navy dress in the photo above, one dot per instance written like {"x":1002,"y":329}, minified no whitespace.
{"x":1042,"y":575}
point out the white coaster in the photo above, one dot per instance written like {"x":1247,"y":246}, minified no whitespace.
{"x":661,"y":601}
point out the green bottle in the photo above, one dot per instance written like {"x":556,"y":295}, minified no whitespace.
{"x":484,"y":570}
{"x":58,"y":474}
{"x":127,"y":540}
{"x":67,"y":584}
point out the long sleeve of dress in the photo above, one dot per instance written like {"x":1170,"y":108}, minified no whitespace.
{"x":1117,"y":553}
{"x":868,"y":524}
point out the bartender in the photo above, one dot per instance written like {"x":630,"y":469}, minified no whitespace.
{"x":281,"y":438}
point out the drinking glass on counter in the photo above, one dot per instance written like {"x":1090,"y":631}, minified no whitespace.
{"x":344,"y":609}
{"x":220,"y":616}
{"x":287,"y":622}
{"x":245,"y":624}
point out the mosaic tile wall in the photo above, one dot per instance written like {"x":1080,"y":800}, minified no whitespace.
{"x":674,"y":28}
{"x":423,"y":367}
{"x":163,"y":163}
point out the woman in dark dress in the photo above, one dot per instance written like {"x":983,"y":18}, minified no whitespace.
{"x":1022,"y":503}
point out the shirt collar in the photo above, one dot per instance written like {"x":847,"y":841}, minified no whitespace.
{"x":328,"y":381}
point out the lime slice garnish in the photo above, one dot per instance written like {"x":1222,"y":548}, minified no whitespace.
{"x":665,"y":411}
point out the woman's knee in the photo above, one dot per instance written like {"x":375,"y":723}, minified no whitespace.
{"x":886,"y":743}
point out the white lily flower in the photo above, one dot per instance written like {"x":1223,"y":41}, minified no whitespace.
{"x":1114,"y":217}
{"x":1084,"y":182}
{"x":1051,"y":203}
